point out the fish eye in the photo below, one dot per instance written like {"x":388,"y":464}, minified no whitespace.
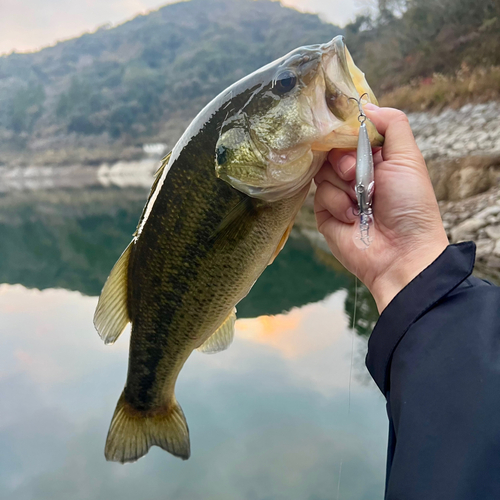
{"x":285,"y":82}
{"x":221,"y":155}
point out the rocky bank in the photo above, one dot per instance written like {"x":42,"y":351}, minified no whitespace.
{"x":462,"y":150}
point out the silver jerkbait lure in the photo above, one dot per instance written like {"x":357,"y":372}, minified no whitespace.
{"x":365,"y":184}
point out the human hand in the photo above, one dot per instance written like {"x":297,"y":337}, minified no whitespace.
{"x":409,"y":234}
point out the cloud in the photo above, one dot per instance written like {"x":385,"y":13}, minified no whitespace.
{"x":28,"y":25}
{"x":338,"y":12}
{"x":268,"y":417}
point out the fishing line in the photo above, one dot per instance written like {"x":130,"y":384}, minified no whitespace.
{"x":363,"y":233}
{"x":352,"y":334}
{"x":350,"y":369}
{"x":340,"y":475}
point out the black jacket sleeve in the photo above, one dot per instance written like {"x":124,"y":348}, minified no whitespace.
{"x":435,"y":355}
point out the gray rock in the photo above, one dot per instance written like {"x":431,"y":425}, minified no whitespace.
{"x":467,"y":229}
{"x":493,"y":261}
{"x":484,"y":248}
{"x":493,"y":232}
{"x":493,"y":210}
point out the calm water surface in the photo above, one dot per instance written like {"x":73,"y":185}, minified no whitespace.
{"x":272,"y":418}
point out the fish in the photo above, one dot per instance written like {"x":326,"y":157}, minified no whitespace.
{"x":220,"y":210}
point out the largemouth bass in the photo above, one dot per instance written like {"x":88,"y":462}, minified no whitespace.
{"x":220,"y":210}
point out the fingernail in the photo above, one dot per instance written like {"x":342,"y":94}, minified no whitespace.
{"x":371,"y":107}
{"x":346,"y":163}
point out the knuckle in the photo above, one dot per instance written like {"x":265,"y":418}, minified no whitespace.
{"x":400,"y":117}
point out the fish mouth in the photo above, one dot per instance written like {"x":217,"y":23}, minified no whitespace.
{"x":345,"y":85}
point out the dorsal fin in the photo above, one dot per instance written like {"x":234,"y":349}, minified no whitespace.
{"x":222,"y":338}
{"x":111,"y":315}
{"x":157,"y":177}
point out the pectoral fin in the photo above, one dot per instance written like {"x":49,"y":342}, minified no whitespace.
{"x":222,"y":338}
{"x":282,"y":242}
{"x":235,"y":224}
{"x":111,"y":315}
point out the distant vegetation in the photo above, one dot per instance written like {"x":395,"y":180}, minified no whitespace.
{"x":430,"y":53}
{"x":143,"y":81}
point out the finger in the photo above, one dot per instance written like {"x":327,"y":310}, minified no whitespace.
{"x":377,"y":157}
{"x":337,"y":235}
{"x":330,"y":229}
{"x":393,"y":124}
{"x":344,"y":163}
{"x":328,"y":174}
{"x":335,"y":201}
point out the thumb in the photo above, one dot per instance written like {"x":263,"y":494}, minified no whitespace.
{"x":393,"y":124}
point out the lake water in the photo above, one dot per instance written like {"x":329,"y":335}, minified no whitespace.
{"x":288,"y":412}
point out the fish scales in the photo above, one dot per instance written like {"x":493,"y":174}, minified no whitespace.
{"x":188,"y":271}
{"x":220,"y":210}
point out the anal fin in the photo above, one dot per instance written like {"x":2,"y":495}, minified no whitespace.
{"x":222,"y":338}
{"x":111,"y":315}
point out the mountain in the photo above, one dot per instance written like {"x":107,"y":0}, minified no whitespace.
{"x":410,"y":40}
{"x":104,"y":94}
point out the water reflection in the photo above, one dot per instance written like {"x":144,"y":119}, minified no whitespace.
{"x":269,"y":418}
{"x":65,"y":239}
{"x":361,"y":308}
{"x":71,"y":239}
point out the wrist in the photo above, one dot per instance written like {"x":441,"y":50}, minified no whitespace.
{"x":402,"y":271}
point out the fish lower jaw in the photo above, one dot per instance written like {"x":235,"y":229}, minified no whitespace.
{"x":289,"y":189}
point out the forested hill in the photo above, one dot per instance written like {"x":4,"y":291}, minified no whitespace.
{"x":427,"y":54}
{"x":99,"y":97}
{"x":142,"y":81}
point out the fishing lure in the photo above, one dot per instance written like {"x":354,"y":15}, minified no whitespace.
{"x":365,"y":184}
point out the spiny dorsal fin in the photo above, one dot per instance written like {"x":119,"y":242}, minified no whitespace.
{"x":222,"y":338}
{"x":157,"y":176}
{"x":133,"y":432}
{"x":111,"y":316}
{"x":282,"y":242}
{"x":161,"y":168}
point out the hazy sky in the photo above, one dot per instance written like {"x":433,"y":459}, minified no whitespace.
{"x":27,"y":25}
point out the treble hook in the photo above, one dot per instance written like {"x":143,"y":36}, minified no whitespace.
{"x":362,"y":117}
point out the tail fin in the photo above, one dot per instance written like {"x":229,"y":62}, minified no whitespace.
{"x":132,"y":433}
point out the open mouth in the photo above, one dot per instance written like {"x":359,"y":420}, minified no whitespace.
{"x":345,"y":83}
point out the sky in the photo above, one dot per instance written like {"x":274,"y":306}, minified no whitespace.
{"x":28,"y":25}
{"x":274,"y":416}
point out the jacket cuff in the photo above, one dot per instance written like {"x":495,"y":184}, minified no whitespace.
{"x":450,"y":269}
